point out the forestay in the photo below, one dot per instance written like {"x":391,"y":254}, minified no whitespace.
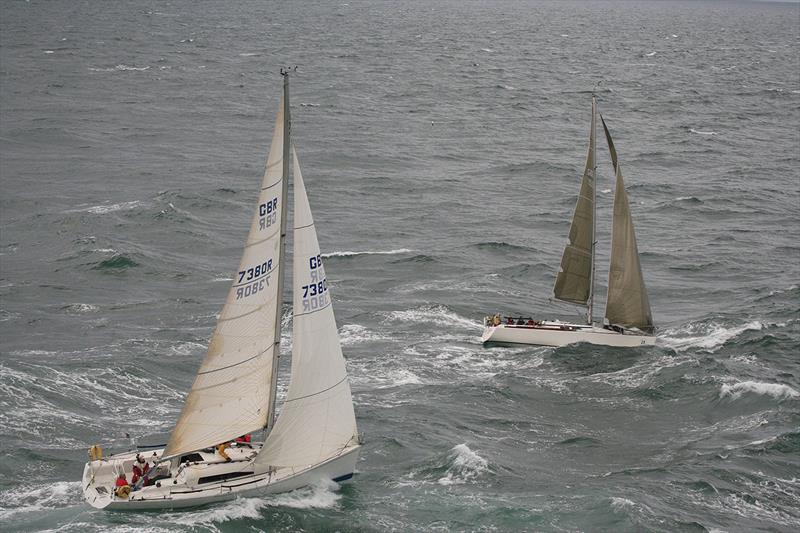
{"x":627,"y":303}
{"x":230,"y":395}
{"x":574,"y":280}
{"x":317,"y":418}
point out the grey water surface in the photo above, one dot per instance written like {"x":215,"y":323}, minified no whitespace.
{"x":442,"y":144}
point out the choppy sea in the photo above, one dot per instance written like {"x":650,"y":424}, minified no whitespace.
{"x":442,"y":144}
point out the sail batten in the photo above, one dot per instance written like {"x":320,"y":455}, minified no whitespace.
{"x":627,"y":303}
{"x":317,"y":420}
{"x":574,"y":279}
{"x":231,"y":393}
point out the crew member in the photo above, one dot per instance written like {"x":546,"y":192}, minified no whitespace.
{"x":140,"y":469}
{"x":244,"y":440}
{"x":221,"y":451}
{"x":122,"y":488}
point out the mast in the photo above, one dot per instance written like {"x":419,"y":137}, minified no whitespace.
{"x":276,"y":358}
{"x":593,"y":148}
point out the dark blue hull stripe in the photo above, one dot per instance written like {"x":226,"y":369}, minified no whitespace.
{"x":344,"y":477}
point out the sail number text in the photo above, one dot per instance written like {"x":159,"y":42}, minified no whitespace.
{"x":253,"y":280}
{"x":315,"y":294}
{"x":268,"y":213}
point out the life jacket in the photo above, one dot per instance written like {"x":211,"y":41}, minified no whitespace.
{"x":121,"y":482}
{"x":244,"y":438}
{"x":123,"y":491}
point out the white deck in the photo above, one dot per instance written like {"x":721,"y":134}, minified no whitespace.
{"x":548,"y":333}
{"x":185,"y":489}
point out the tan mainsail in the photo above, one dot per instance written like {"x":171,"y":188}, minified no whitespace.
{"x":231,"y":393}
{"x":317,"y":419}
{"x":574,"y":280}
{"x":627,"y":303}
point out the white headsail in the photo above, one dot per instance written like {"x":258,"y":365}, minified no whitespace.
{"x":231,"y":393}
{"x":317,"y":418}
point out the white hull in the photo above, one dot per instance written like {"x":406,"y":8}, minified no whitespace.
{"x":560,"y":334}
{"x":185,"y":490}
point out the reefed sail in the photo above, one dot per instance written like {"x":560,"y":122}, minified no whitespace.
{"x":627,"y":303}
{"x":574,"y":280}
{"x":317,"y":420}
{"x":231,"y":393}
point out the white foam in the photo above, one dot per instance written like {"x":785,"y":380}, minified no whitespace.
{"x":778,"y":391}
{"x":368,"y":252}
{"x":106,"y":208}
{"x":466,"y":466}
{"x":379,"y":379}
{"x":436,"y":314}
{"x":81,"y":308}
{"x":710,"y":336}
{"x":26,"y":498}
{"x":781,"y":291}
{"x":350,"y":334}
{"x":320,"y":495}
{"x":639,"y":375}
{"x":487,"y":50}
{"x":698,"y":132}
{"x":620,"y":504}
{"x":651,"y":54}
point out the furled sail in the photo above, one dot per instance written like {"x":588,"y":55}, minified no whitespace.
{"x":574,"y":280}
{"x":627,"y":303}
{"x":230,"y":395}
{"x":317,"y":418}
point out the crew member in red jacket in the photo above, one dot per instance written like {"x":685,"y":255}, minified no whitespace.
{"x":122,"y":489}
{"x":140,"y":469}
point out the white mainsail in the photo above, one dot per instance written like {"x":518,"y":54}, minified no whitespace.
{"x":627,"y":303}
{"x":317,"y":419}
{"x":575,"y":279}
{"x":231,"y":394}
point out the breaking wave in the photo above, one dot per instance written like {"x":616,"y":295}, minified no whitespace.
{"x":459,"y":466}
{"x":107,"y":208}
{"x":350,"y":334}
{"x":777,"y":391}
{"x":706,"y":336}
{"x":435,"y":314}
{"x":26,"y":499}
{"x":321,"y":495}
{"x":465,"y":466}
{"x":368,"y":252}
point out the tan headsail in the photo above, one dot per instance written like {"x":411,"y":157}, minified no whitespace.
{"x":317,"y":420}
{"x":231,"y":394}
{"x":574,"y":280}
{"x":627,"y":303}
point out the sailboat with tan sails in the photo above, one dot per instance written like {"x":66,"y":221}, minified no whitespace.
{"x":628,"y":320}
{"x":234,"y":393}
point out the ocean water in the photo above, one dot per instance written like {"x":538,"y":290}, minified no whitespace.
{"x":442,"y":144}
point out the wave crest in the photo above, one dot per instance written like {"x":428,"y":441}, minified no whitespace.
{"x":778,"y":391}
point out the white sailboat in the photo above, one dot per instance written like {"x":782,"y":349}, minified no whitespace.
{"x":628,"y":319}
{"x":315,"y":435}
